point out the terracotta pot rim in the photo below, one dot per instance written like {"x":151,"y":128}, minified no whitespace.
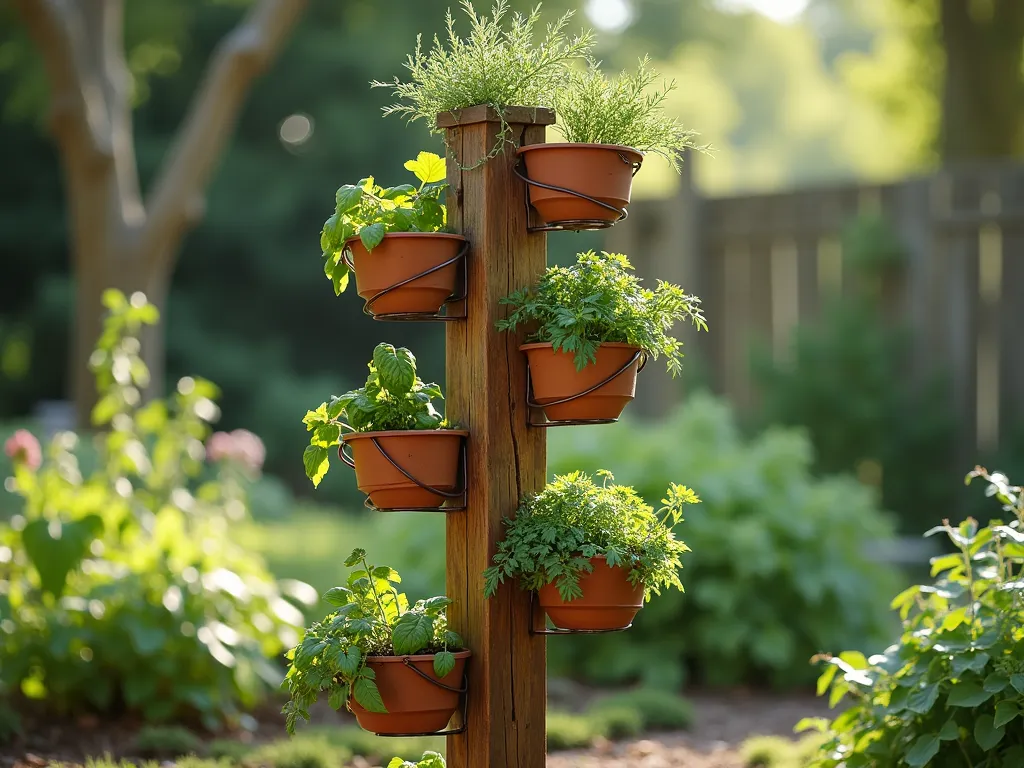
{"x":348,"y":436}
{"x":549,"y":345}
{"x":463,"y":654}
{"x":413,"y":235}
{"x":581,"y":145}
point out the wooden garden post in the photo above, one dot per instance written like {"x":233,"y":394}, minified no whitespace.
{"x":486,"y":394}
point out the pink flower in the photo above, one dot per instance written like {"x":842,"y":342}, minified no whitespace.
{"x":23,"y":448}
{"x":219,"y":446}
{"x":249,"y":449}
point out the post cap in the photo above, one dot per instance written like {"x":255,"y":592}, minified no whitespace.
{"x":482,"y":113}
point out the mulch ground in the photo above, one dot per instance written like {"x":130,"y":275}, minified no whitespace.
{"x":724,"y":721}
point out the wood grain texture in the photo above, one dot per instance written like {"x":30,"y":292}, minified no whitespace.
{"x":486,"y":383}
{"x":481,"y":113}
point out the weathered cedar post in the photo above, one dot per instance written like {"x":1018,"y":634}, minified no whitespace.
{"x":486,"y":394}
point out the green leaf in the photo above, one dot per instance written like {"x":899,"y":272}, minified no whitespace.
{"x":923,"y":699}
{"x":411,"y":633}
{"x":923,"y":750}
{"x":986,"y":734}
{"x":372,"y":234}
{"x":427,"y":167}
{"x":339,"y":275}
{"x":970,"y":661}
{"x":114,"y":300}
{"x":967,"y":694}
{"x":402,"y":190}
{"x":326,"y":435}
{"x":950,"y":731}
{"x":1017,"y":681}
{"x":348,"y":663}
{"x":357,"y":555}
{"x":825,"y":678}
{"x":366,"y":693}
{"x":57,"y":548}
{"x":395,"y":367}
{"x":338,"y":596}
{"x":444,"y":662}
{"x":1005,"y":712}
{"x":337,"y":697}
{"x":314,"y":459}
{"x":996,"y":682}
{"x":347,"y":198}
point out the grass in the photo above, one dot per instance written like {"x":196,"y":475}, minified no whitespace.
{"x":165,"y":741}
{"x":779,"y":752}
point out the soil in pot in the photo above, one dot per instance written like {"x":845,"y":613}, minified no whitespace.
{"x":414,"y":705}
{"x":402,"y":255}
{"x":553,"y":376}
{"x":609,"y":600}
{"x":601,"y":171}
{"x":429,"y":455}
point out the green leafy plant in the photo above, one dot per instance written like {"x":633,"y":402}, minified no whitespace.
{"x":556,"y":532}
{"x":393,"y":397}
{"x":783,"y":557}
{"x":498,"y":64}
{"x":659,"y":710}
{"x":122,"y":588}
{"x":951,"y":690}
{"x":599,"y":299}
{"x":372,"y":619}
{"x":371,"y":211}
{"x":628,"y":110}
{"x":429,"y":760}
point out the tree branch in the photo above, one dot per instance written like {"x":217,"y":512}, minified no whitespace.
{"x":177,"y":195}
{"x":78,"y":114}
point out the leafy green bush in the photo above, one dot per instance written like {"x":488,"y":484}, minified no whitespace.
{"x":600,"y":299}
{"x":627,"y":110}
{"x":778,"y":752}
{"x":165,"y":741}
{"x":846,"y":382}
{"x":298,"y":753}
{"x":780,"y":559}
{"x":569,"y":731}
{"x":617,"y":722}
{"x":122,"y":589}
{"x":659,"y":710}
{"x":951,"y":690}
{"x":429,"y":760}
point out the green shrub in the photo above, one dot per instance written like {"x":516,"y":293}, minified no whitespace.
{"x":778,"y":752}
{"x":228,"y":749}
{"x":616,"y":723}
{"x":298,"y":752}
{"x":368,"y":745}
{"x":192,"y":761}
{"x":165,"y":741}
{"x":780,"y":562}
{"x":568,"y":731}
{"x":951,"y":690}
{"x":658,"y":710}
{"x":123,"y":588}
{"x":428,"y":760}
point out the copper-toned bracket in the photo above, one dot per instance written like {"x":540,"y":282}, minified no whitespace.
{"x":534,"y":406}
{"x":458,"y":494}
{"x":573,"y":225}
{"x":463,"y":698}
{"x":458,"y":259}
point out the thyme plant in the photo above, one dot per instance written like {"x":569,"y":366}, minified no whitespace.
{"x":498,"y":63}
{"x":600,"y":299}
{"x":372,"y":619}
{"x":628,"y":110}
{"x":556,"y":532}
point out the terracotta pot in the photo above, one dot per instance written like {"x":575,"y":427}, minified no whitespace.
{"x":399,"y":256}
{"x":609,"y":601}
{"x":553,"y":376}
{"x":597,"y":170}
{"x":429,"y":455}
{"x":413,"y":704}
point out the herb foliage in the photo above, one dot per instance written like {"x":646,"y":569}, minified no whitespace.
{"x":599,"y":299}
{"x":372,"y":619}
{"x":556,"y":532}
{"x":628,"y":110}
{"x":429,"y":760}
{"x":371,"y":211}
{"x":498,"y":63}
{"x":394,"y":397}
{"x":951,"y":690}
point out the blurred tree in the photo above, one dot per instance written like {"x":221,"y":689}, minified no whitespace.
{"x":118,"y":238}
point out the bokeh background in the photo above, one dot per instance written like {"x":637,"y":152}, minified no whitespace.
{"x":856,"y":236}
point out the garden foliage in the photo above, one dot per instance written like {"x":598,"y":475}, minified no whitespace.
{"x":600,"y":299}
{"x":950,"y":691}
{"x":120,"y":586}
{"x":781,"y":557}
{"x":372,"y":619}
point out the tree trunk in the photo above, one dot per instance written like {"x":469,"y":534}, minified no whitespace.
{"x":983,"y":97}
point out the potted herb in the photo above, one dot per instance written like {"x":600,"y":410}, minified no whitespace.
{"x":593,"y":323}
{"x":608,"y":125}
{"x":391,"y":664}
{"x":592,"y":553}
{"x":497,"y":64}
{"x":395,"y":435}
{"x":388,"y":236}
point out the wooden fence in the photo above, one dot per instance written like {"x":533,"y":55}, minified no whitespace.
{"x":764,"y":263}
